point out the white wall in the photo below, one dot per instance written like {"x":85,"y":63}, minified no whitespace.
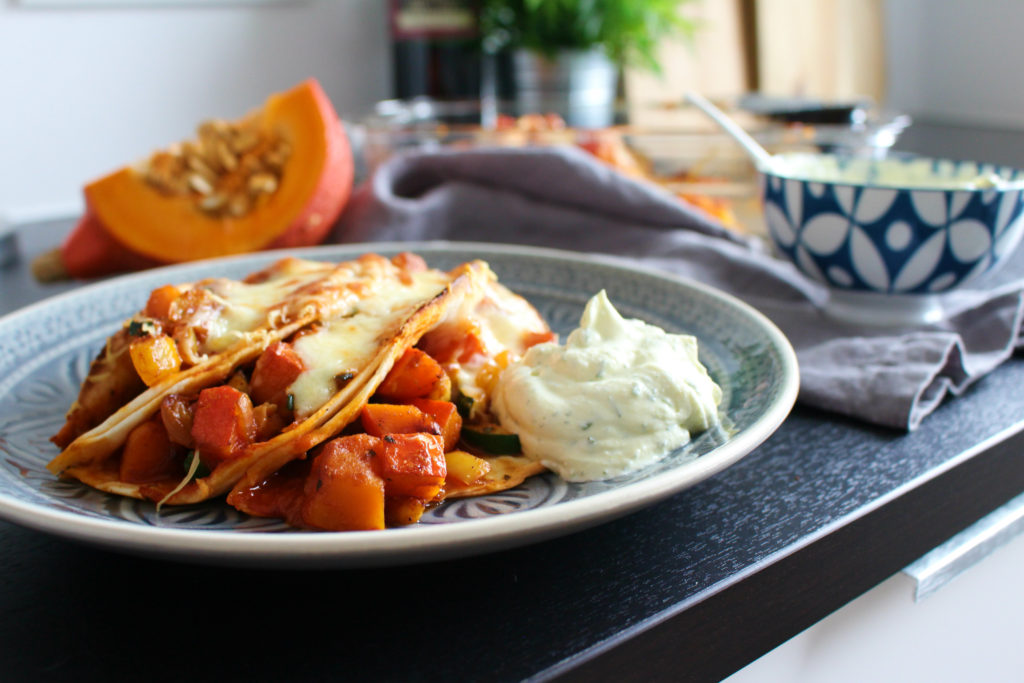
{"x":956,"y":61}
{"x":83,"y":91}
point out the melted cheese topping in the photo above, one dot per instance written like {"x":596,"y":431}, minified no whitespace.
{"x":243,"y":307}
{"x":347,"y":345}
{"x":504,"y":321}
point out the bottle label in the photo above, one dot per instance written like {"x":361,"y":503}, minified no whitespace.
{"x":433,"y":19}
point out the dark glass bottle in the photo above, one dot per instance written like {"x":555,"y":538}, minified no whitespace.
{"x":436,"y":49}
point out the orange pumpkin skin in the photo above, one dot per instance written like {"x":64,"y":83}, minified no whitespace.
{"x":89,"y":251}
{"x":144,"y":227}
{"x":328,"y":200}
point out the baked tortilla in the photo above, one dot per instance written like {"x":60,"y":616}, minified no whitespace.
{"x":268,"y":306}
{"x":507,"y":472}
{"x":357,"y":317}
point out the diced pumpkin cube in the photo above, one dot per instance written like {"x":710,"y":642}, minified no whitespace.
{"x":413,"y":465}
{"x":149,"y":456}
{"x":447,"y":417}
{"x":409,"y":262}
{"x":465,"y":468}
{"x":488,"y":376}
{"x":343,"y":491}
{"x":154,"y":357}
{"x":379,"y":419}
{"x":269,"y":421}
{"x":534,"y":338}
{"x":160,"y":301}
{"x":472,"y":345}
{"x":222,"y":425}
{"x":454,"y":342}
{"x":414,"y":375}
{"x":403,"y":510}
{"x":176,"y":414}
{"x":238,"y":381}
{"x":442,"y":391}
{"x":279,"y":495}
{"x":276,"y":368}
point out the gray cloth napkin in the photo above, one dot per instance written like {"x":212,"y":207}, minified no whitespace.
{"x":564,"y":198}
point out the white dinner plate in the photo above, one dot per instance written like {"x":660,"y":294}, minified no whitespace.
{"x":45,"y":351}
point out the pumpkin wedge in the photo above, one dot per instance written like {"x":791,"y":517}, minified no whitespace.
{"x":278,"y":177}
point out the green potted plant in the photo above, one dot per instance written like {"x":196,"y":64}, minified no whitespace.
{"x":566,"y":54}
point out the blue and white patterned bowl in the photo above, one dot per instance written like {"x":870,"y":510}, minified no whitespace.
{"x":905,"y":225}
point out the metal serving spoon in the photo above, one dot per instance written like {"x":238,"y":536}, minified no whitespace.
{"x":763,"y":161}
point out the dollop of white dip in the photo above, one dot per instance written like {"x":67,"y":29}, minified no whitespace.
{"x":618,"y":396}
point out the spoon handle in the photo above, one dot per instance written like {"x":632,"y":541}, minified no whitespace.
{"x":762,"y":159}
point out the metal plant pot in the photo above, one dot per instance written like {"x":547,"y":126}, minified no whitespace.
{"x":578,"y":85}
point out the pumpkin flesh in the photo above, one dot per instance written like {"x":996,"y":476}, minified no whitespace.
{"x":315,"y":185}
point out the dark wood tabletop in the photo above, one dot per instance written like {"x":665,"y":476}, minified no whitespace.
{"x":692,"y":588}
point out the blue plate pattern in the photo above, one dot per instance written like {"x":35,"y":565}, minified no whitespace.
{"x":45,"y":352}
